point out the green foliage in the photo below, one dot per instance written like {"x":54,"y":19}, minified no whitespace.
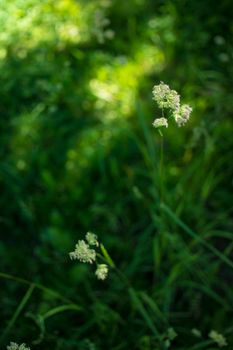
{"x":79,"y":153}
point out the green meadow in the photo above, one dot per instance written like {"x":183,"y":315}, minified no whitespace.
{"x":79,"y":154}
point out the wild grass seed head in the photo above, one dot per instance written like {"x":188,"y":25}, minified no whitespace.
{"x":182,"y":115}
{"x":101,"y":272}
{"x":165,"y":97}
{"x":157,"y":123}
{"x":83,"y":253}
{"x":170,"y":100}
{"x":15,"y":346}
{"x":92,"y":239}
{"x":86,"y":254}
{"x":218,"y":338}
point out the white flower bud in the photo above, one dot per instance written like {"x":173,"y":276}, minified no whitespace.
{"x":92,"y":239}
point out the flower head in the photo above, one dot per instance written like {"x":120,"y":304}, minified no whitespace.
{"x":182,"y":115}
{"x":14,"y":346}
{"x":102,"y":272}
{"x":92,"y":239}
{"x":170,"y":99}
{"x":165,"y":97}
{"x":157,"y":123}
{"x":218,"y":338}
{"x":83,"y":253}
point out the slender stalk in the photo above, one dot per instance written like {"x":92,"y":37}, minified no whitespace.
{"x":37,"y":285}
{"x":161,"y":194}
{"x":18,"y":311}
{"x":161,"y":165}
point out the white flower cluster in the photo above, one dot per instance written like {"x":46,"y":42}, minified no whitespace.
{"x":218,"y":338}
{"x":157,"y":123}
{"x":170,"y":99}
{"x":83,"y":253}
{"x":165,"y":97}
{"x":86,"y":254}
{"x":182,"y":115}
{"x":92,"y":239}
{"x":14,"y":346}
{"x":102,"y":272}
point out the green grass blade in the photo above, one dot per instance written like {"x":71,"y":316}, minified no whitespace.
{"x":154,"y":307}
{"x":36,"y":285}
{"x":192,"y":234}
{"x":107,"y":256}
{"x":60,"y":309}
{"x":137,"y":302}
{"x":18,"y":311}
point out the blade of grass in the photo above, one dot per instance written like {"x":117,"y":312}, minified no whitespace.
{"x":39,"y":322}
{"x":207,"y":291}
{"x":203,"y":345}
{"x":154,"y":307}
{"x":107,"y":256}
{"x":60,"y":309}
{"x":137,"y":302}
{"x":192,"y":234}
{"x":18,"y":311}
{"x":37,"y":285}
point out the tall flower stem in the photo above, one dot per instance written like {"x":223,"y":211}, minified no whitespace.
{"x":161,"y":170}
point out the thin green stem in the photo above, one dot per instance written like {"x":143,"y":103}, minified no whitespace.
{"x":161,"y":194}
{"x":18,"y":311}
{"x":161,"y":170}
{"x":37,"y":285}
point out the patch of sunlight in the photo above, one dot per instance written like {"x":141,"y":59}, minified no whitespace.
{"x":29,"y":23}
{"x":115,"y":85}
{"x":151,"y":58}
{"x":3,"y":53}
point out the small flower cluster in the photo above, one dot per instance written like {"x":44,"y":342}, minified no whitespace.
{"x":157,"y":123}
{"x":165,"y":97}
{"x":218,"y":338}
{"x":14,"y":346}
{"x":169,"y":336}
{"x":85,"y":253}
{"x":101,"y":272}
{"x":182,"y":115}
{"x":170,"y":99}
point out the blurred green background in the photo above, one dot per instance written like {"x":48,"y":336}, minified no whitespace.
{"x":78,"y":153}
